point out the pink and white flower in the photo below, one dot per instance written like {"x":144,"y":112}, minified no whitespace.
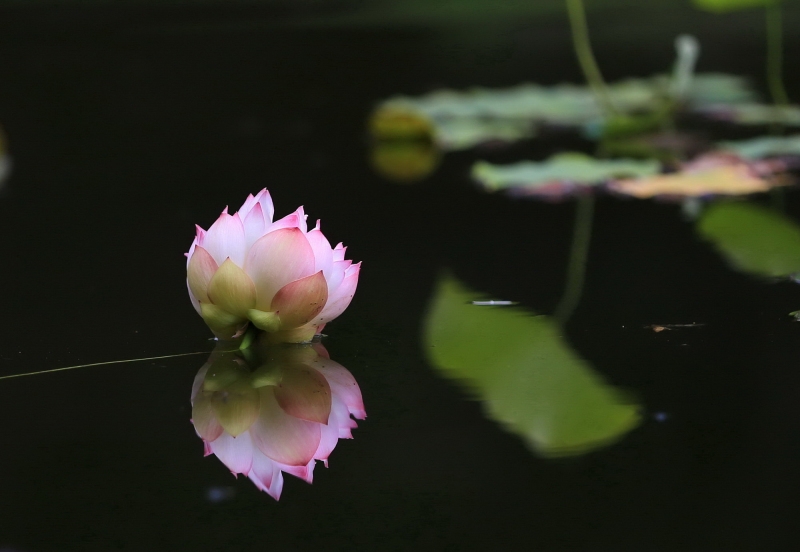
{"x":282,"y":417}
{"x":280,"y":276}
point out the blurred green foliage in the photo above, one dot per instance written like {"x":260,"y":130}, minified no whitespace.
{"x":574,"y":167}
{"x":754,"y":239}
{"x":730,"y":5}
{"x":528,"y":377}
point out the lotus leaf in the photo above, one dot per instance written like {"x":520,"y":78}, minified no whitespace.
{"x":528,"y":377}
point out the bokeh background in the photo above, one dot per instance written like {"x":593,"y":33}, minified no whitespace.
{"x":129,"y":122}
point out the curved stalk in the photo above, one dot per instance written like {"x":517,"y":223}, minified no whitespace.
{"x":583,"y":49}
{"x":775,"y":54}
{"x":579,"y":253}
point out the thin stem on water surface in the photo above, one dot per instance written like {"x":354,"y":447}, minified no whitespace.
{"x":103,"y":364}
{"x":583,"y":49}
{"x":579,"y":253}
{"x":775,"y":54}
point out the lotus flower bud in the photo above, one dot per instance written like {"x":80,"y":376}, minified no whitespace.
{"x":282,"y":417}
{"x":279,"y":276}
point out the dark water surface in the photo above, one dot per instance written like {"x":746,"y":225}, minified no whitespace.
{"x":127,"y":128}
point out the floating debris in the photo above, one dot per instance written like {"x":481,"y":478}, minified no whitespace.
{"x":661,"y":327}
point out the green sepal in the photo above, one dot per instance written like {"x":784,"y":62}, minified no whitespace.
{"x":222,"y":323}
{"x":267,"y":321}
{"x":248,"y":338}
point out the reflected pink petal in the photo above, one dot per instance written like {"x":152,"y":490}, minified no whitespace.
{"x":282,"y":437}
{"x":234,"y":452}
{"x":304,"y":393}
{"x":264,"y":470}
{"x":330,"y":432}
{"x":205,"y":419}
{"x":306,"y":473}
{"x":343,"y":385}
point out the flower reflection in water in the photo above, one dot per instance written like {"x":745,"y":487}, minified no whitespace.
{"x":528,"y":378}
{"x":265,"y":410}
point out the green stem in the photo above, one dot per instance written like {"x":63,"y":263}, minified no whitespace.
{"x":103,"y":363}
{"x":775,"y":54}
{"x":579,"y":253}
{"x":583,"y":49}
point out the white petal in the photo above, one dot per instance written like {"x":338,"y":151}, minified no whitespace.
{"x":225,"y":239}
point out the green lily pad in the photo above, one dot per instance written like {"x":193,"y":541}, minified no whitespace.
{"x":463,"y":119}
{"x":720,"y":88}
{"x":763,"y":146}
{"x":751,"y":113}
{"x":569,"y":167}
{"x":754,"y":239}
{"x":526,"y":374}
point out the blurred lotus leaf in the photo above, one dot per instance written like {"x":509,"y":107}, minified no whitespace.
{"x":720,"y":88}
{"x":561,"y":175}
{"x":667,"y":146}
{"x":404,"y":160}
{"x":754,"y":113}
{"x":764,"y":146}
{"x":753,"y":239}
{"x":717,"y":173}
{"x":622,"y":126}
{"x":459,"y":134}
{"x":458,"y":120}
{"x":450,"y":121}
{"x":527,"y":376}
{"x":397,"y":121}
{"x":730,"y":5}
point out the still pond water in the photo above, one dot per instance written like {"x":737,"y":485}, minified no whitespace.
{"x":593,"y":433}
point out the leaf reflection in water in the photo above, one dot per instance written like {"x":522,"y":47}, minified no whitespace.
{"x":753,"y":239}
{"x":265,"y":410}
{"x":527,"y":376}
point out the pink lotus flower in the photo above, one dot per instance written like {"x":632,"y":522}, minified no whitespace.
{"x":279,"y":276}
{"x":282,"y":417}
